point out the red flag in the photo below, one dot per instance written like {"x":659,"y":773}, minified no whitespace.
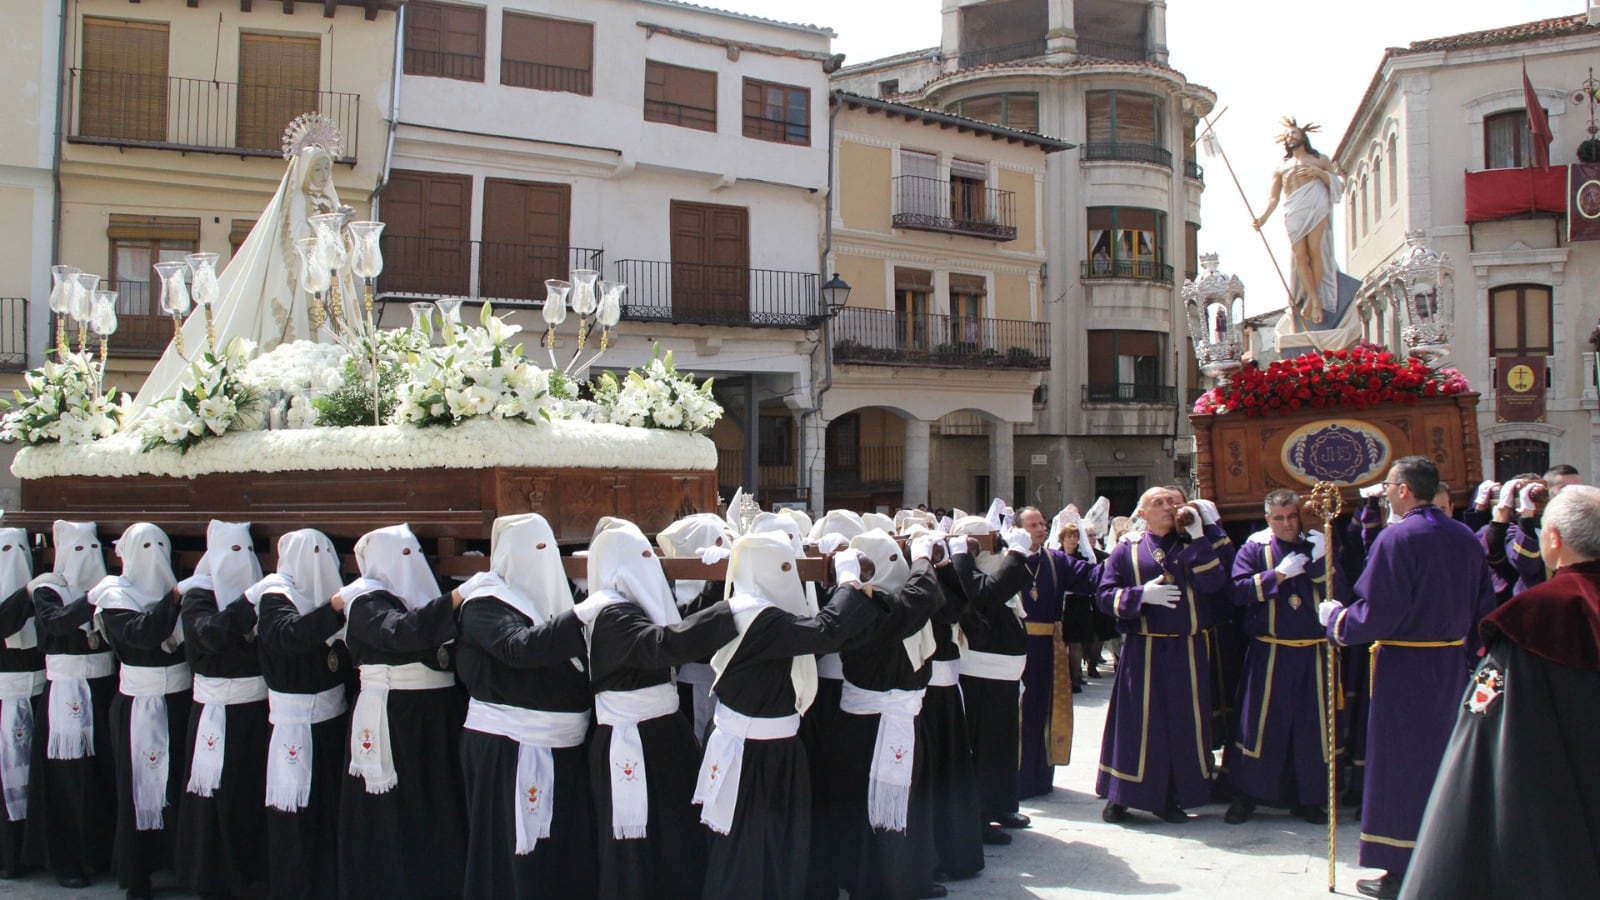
{"x":1538,"y":122}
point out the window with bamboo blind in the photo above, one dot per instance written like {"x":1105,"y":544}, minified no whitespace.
{"x":678,"y":95}
{"x":138,"y":243}
{"x":444,"y":40}
{"x":279,"y":78}
{"x":122,"y":91}
{"x":546,"y":54}
{"x":777,"y":112}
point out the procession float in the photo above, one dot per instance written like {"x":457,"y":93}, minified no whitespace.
{"x":279,"y":402}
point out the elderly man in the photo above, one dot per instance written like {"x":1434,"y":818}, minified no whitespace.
{"x":1526,"y":729}
{"x":1279,"y":756}
{"x":1425,"y":587}
{"x":1156,"y":753}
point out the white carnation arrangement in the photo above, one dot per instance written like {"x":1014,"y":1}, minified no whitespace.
{"x":476,"y":373}
{"x":61,"y":405}
{"x":218,"y":399}
{"x":296,"y":367}
{"x":656,"y":396}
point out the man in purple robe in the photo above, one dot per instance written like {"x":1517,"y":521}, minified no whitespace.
{"x":1047,"y":681}
{"x":1529,"y":494}
{"x":1279,"y":756}
{"x":1425,"y":587}
{"x":1156,"y":752}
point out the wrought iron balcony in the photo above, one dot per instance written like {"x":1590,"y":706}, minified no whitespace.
{"x":143,"y":330}
{"x":1125,"y":152}
{"x":199,"y":116}
{"x":988,"y":56}
{"x":861,"y":467}
{"x":730,"y":470}
{"x":1192,"y":169}
{"x":13,"y":334}
{"x":1108,"y":50}
{"x":1142,"y":269}
{"x":1130,"y":392}
{"x":884,"y":337}
{"x":954,"y":207}
{"x":508,"y":274}
{"x":698,"y":294}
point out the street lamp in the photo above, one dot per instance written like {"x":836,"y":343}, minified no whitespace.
{"x":835,"y":294}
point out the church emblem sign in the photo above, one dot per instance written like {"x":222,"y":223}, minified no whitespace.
{"x":1343,"y":451}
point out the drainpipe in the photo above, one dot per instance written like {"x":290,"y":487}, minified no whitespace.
{"x":394,"y":109}
{"x":55,"y":154}
{"x":822,"y":268}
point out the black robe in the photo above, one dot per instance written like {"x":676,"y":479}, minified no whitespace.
{"x":71,"y":802}
{"x":137,"y":638}
{"x":15,"y":611}
{"x":627,"y":652}
{"x":410,"y":841}
{"x":222,"y":839}
{"x":767,"y":847}
{"x":993,"y":708}
{"x":871,"y":862}
{"x":504,"y":658}
{"x":1515,"y":809}
{"x":952,"y":779}
{"x":302,"y":847}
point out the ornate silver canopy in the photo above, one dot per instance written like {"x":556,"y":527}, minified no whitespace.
{"x":1214,"y":307}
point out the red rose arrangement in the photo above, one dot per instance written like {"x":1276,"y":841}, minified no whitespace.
{"x":1365,"y":375}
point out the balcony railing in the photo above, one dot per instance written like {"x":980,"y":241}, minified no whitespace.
{"x":954,"y":207}
{"x":460,"y":66}
{"x":143,"y":330}
{"x":1130,"y":392}
{"x":1109,"y":50}
{"x":1145,"y":153}
{"x":200,"y":116}
{"x":883,"y":337}
{"x":13,"y":334}
{"x":730,"y":470}
{"x":988,"y":56}
{"x":866,"y":467}
{"x":698,"y":294}
{"x":1192,"y":169}
{"x":506,"y":273}
{"x":1144,"y":269}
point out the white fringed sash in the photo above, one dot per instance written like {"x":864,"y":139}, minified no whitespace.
{"x":623,"y":711}
{"x":371,"y":755}
{"x":536,"y":732}
{"x":215,"y":695}
{"x":889,"y":782}
{"x":17,"y":690}
{"x":71,"y":708}
{"x":148,"y":737}
{"x":716,"y":789}
{"x":290,"y":751}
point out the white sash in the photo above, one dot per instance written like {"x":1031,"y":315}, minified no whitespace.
{"x":993,"y":666}
{"x":371,"y":757}
{"x":148,"y":737}
{"x":211,"y":736}
{"x":717,"y":788}
{"x":623,"y":711}
{"x":289,"y":748}
{"x":889,"y":782}
{"x":536,"y":732}
{"x":946,"y":673}
{"x":71,"y":708}
{"x":830,"y":666}
{"x":17,"y":690}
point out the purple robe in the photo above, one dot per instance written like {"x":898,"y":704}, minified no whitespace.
{"x":1522,"y":554}
{"x":1227,"y":641}
{"x":1053,"y":574}
{"x":1157,"y":745}
{"x":1282,"y":702}
{"x":1426,"y":582}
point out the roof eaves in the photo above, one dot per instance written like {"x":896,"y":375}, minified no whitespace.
{"x":933,"y":116}
{"x":821,"y":30}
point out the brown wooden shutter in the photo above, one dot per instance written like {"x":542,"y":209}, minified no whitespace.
{"x":279,"y":78}
{"x":238,"y":230}
{"x":424,"y":30}
{"x":444,"y":40}
{"x":525,"y":226}
{"x":124,"y":227}
{"x":123,"y":88}
{"x":710,"y":262}
{"x":426,"y":246}
{"x":546,"y":54}
{"x":1098,"y":112}
{"x":678,"y":95}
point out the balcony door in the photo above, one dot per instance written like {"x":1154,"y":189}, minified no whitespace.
{"x":710,"y":263}
{"x":279,"y":77}
{"x":426,"y":246}
{"x":525,"y":240}
{"x":123,"y":94}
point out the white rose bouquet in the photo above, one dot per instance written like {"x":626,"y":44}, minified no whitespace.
{"x":477,"y":374}
{"x":218,"y":399}
{"x":297,"y":366}
{"x":60,"y":405}
{"x":657,"y":396}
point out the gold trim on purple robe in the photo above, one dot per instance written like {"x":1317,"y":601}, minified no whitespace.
{"x":1058,"y":727}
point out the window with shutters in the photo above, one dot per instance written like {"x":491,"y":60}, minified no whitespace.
{"x":1013,"y":110}
{"x":138,"y":243}
{"x":1125,"y":125}
{"x":1394,"y":170}
{"x":1126,"y":242}
{"x":547,"y":54}
{"x":1125,"y":366}
{"x":777,"y":112}
{"x":123,"y":86}
{"x":678,"y":95}
{"x":1519,"y":320}
{"x":966,"y":310}
{"x":966,"y":190}
{"x":1191,"y":250}
{"x":279,"y":78}
{"x":444,"y":40}
{"x":1507,"y":140}
{"x":912,"y":288}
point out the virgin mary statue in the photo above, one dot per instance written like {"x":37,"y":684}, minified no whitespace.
{"x":260,"y":296}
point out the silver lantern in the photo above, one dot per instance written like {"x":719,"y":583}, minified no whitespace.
{"x":1214,"y":307}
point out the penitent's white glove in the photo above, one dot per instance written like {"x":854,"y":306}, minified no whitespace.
{"x":922,"y":547}
{"x":1326,"y":610}
{"x":1509,"y":494}
{"x":1527,"y":507}
{"x":480,"y":581}
{"x":588,"y":609}
{"x":1373,"y":491}
{"x":1291,"y":566}
{"x":1319,"y":545}
{"x":1018,"y":539}
{"x":847,"y":566}
{"x":1158,"y":594}
{"x":1485,"y":494}
{"x":830,"y":542}
{"x":1208,"y":511}
{"x":1195,"y":528}
{"x":957,"y":545}
{"x":714,"y":554}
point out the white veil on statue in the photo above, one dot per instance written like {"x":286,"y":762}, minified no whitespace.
{"x":259,"y":295}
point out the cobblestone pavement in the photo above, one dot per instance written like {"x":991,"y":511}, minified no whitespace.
{"x":1069,"y":852}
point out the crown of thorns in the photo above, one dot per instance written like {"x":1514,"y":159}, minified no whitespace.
{"x":1290,"y":126}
